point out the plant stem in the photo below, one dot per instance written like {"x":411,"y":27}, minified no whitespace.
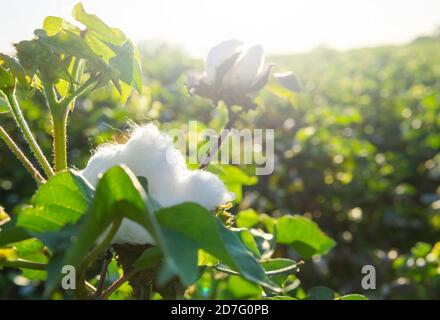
{"x":25,"y":264}
{"x":86,"y":87}
{"x":59,"y":122}
{"x":22,"y":124}
{"x":232,"y":116}
{"x":90,"y":287}
{"x":93,"y":254}
{"x":287,"y":270}
{"x":117,"y":284}
{"x":20,"y":263}
{"x":21,"y":157}
{"x":103,"y":273}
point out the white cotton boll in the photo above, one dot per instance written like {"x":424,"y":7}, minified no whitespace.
{"x":104,"y":158}
{"x":196,"y":190}
{"x":132,"y":233}
{"x":151,"y":154}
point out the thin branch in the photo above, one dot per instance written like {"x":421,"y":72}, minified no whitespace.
{"x":117,"y":284}
{"x":90,"y":287}
{"x":103,"y":273}
{"x":85,"y":88}
{"x":21,"y":156}
{"x":21,"y":263}
{"x":22,"y":124}
{"x":287,"y":270}
{"x":216,"y":146}
{"x":96,"y":252}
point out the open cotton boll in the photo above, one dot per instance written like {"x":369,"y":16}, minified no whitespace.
{"x":151,"y":154}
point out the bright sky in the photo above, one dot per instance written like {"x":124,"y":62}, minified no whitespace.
{"x":279,"y":25}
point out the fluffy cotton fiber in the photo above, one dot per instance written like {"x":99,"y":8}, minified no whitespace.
{"x":151,"y":154}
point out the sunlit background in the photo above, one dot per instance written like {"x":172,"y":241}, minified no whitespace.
{"x":281,"y":26}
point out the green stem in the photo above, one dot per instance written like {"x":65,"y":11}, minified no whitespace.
{"x":232,"y":117}
{"x":21,"y":157}
{"x":99,"y":249}
{"x":25,"y":264}
{"x":103,"y":274}
{"x":117,"y":284}
{"x":60,"y":112}
{"x":85,"y":88}
{"x":59,"y":122}
{"x":20,"y":263}
{"x":22,"y":124}
{"x":287,"y":270}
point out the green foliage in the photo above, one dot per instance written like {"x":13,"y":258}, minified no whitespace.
{"x":66,"y":219}
{"x":352,"y":297}
{"x":247,"y":218}
{"x":303,"y":235}
{"x":208,"y":233}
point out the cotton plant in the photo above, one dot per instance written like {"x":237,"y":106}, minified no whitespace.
{"x":136,"y":203}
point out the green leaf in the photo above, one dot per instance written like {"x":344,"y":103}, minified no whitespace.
{"x":281,"y":298}
{"x":206,"y":259}
{"x":97,"y":26}
{"x":34,"y":55}
{"x":181,"y":258}
{"x":248,"y":240}
{"x":352,"y":297}
{"x":70,"y":44}
{"x":118,"y":195}
{"x":150,"y":258}
{"x":15,"y":68}
{"x":268,"y":222}
{"x":63,"y":199}
{"x":127,"y":62}
{"x":421,"y":249}
{"x":198,"y":225}
{"x":321,"y":293}
{"x":242,"y":289}
{"x":98,"y":47}
{"x":8,"y":254}
{"x":10,"y":233}
{"x":7,"y":81}
{"x":180,"y":252}
{"x":4,"y":105}
{"x":247,"y":218}
{"x":53,"y":25}
{"x":303,"y":235}
{"x":279,"y":265}
{"x":32,"y":250}
{"x":234,"y":178}
{"x":233,"y":174}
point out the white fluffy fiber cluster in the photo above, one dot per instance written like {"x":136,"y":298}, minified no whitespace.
{"x":151,"y":154}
